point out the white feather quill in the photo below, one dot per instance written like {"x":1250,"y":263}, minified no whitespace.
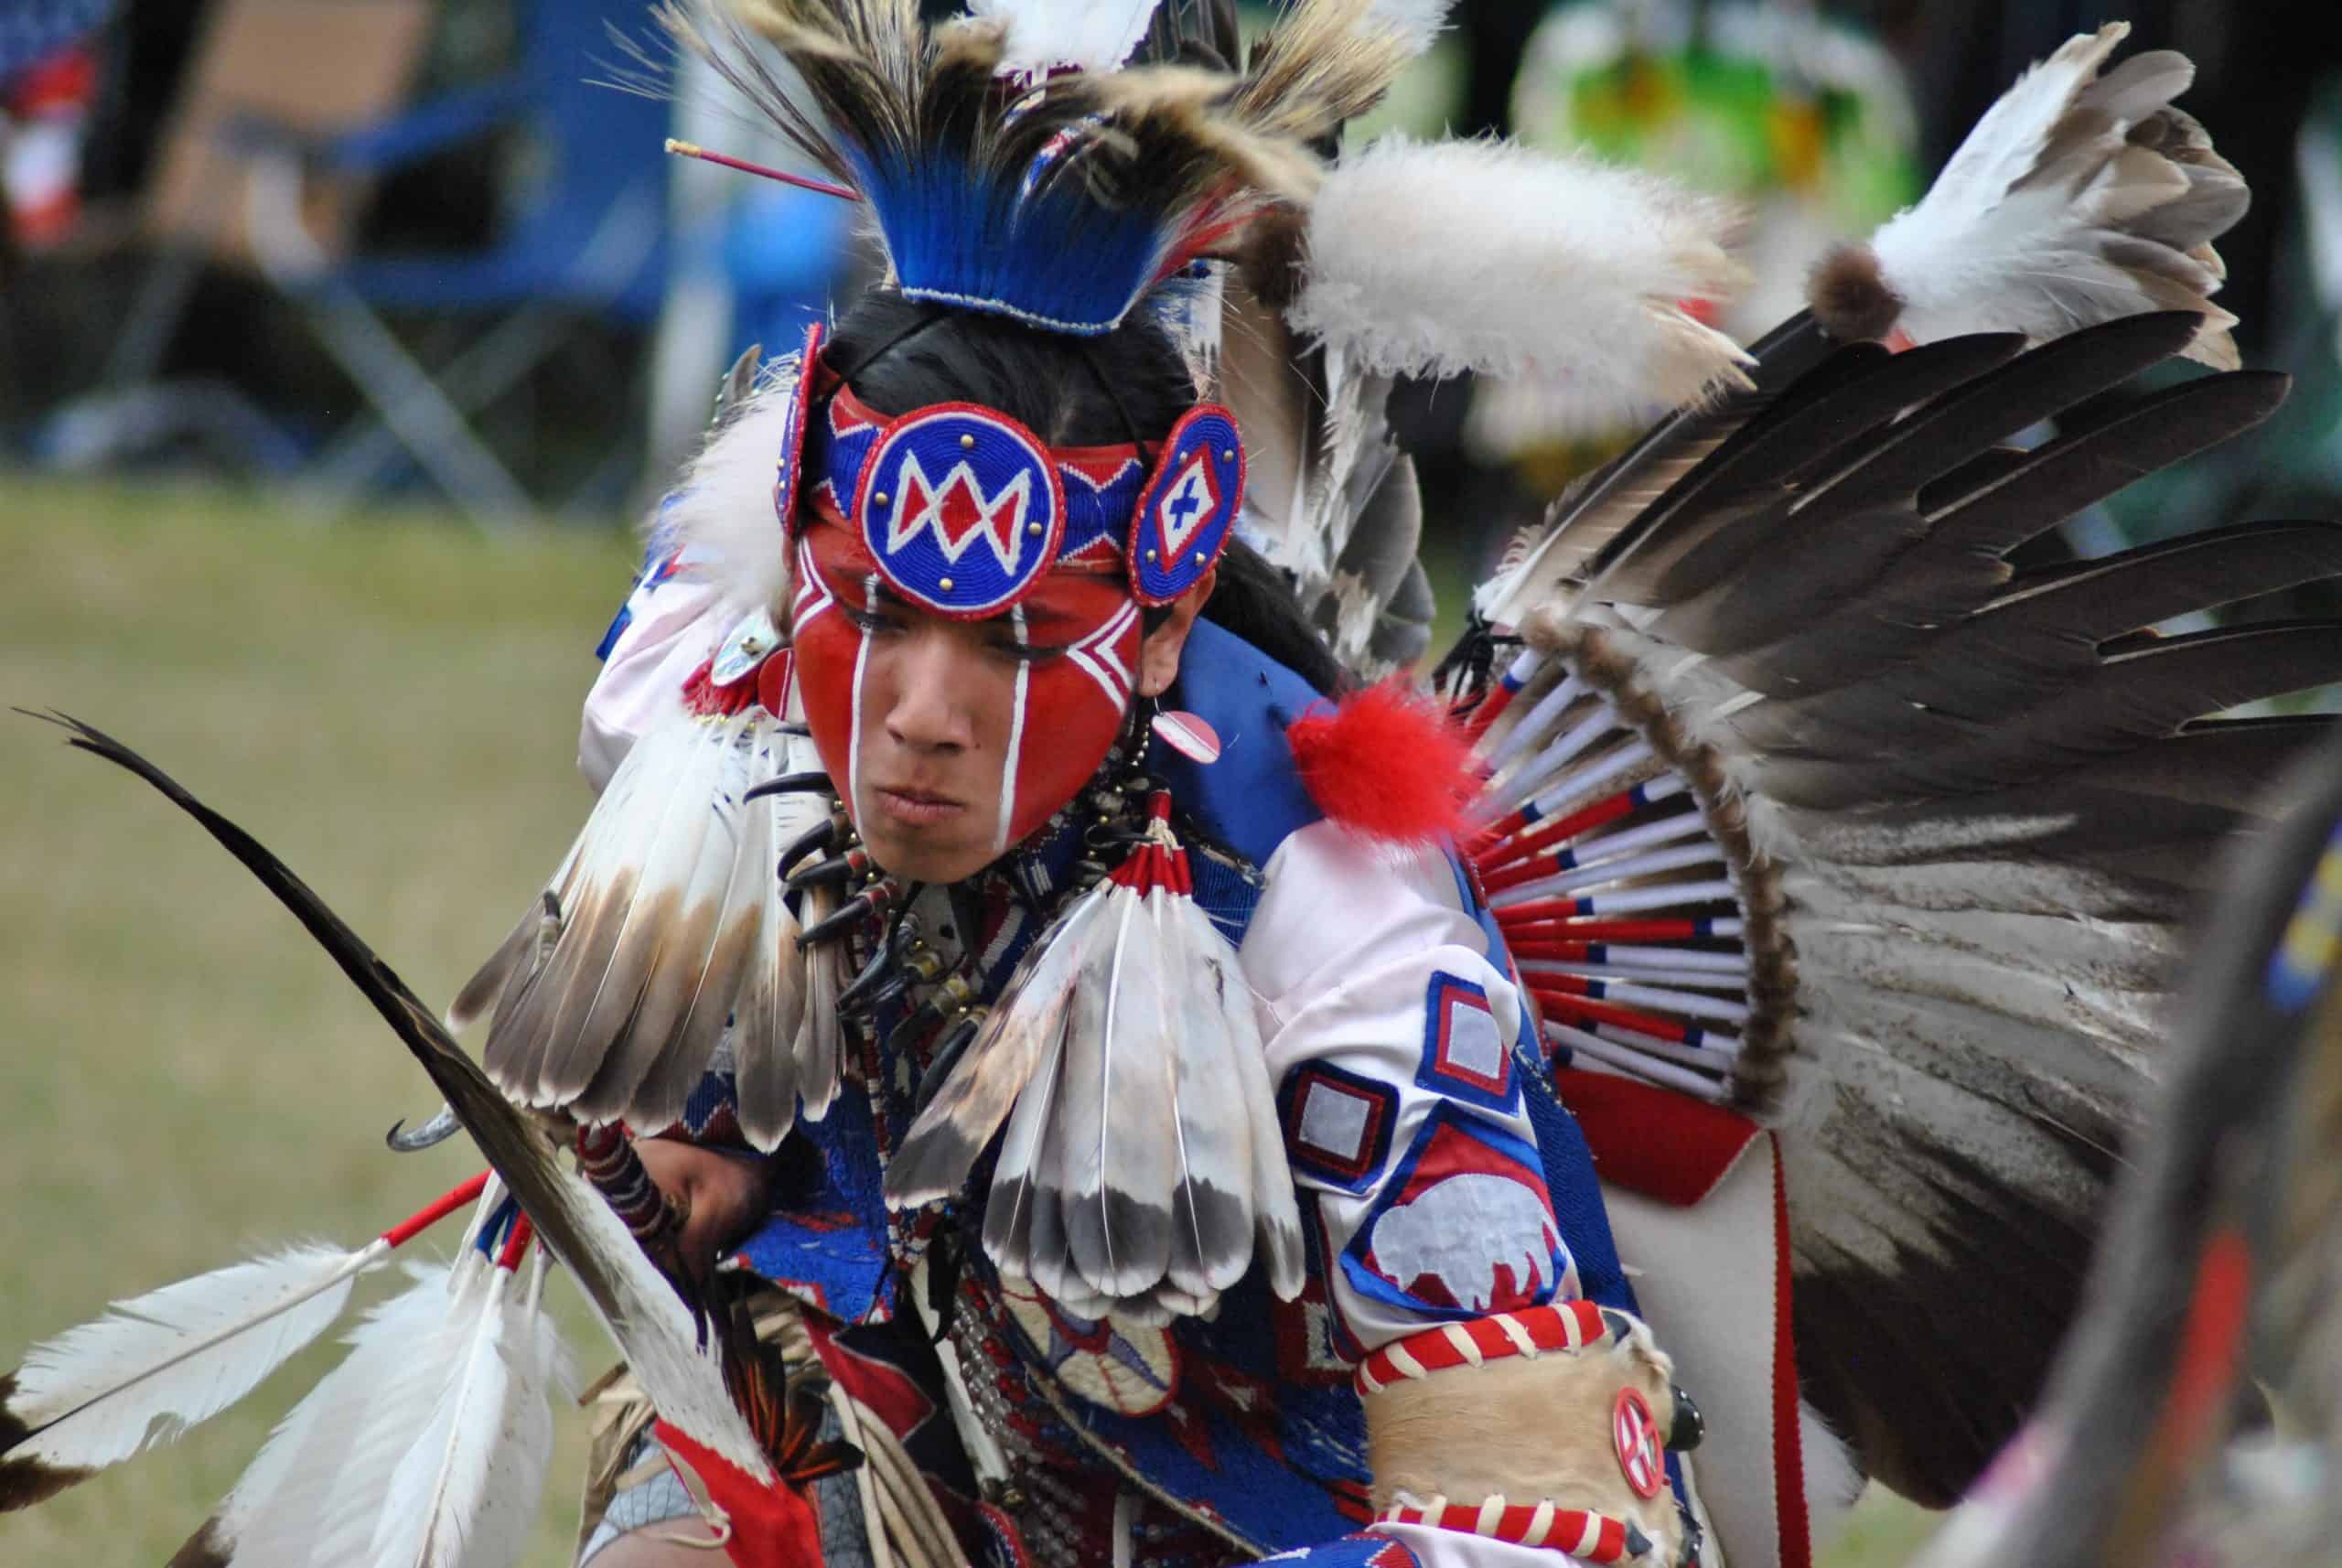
{"x":1442,"y":257}
{"x":316,"y":1491}
{"x":466,"y":1492}
{"x":157,"y":1364}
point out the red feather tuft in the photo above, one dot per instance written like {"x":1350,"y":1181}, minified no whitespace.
{"x":1385,"y":763}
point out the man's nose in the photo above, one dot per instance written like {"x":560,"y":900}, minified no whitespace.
{"x":923,"y":714}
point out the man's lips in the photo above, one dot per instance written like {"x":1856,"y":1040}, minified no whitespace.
{"x":907,"y":803}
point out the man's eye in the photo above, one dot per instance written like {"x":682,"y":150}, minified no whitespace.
{"x":1024,"y":652}
{"x":871,"y":621}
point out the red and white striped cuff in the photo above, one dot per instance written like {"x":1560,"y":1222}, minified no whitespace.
{"x":1565,"y":1325}
{"x":1594,"y":1537}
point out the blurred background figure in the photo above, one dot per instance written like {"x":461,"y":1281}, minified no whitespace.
{"x":1800,"y":119}
{"x":48,"y":74}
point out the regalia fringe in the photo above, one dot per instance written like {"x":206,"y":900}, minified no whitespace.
{"x":1142,"y":1170}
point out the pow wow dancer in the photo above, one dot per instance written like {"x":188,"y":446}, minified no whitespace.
{"x":1122,"y":1075}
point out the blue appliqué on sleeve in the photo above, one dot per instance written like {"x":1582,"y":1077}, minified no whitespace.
{"x":1465,"y":1056}
{"x":1337,"y":1124}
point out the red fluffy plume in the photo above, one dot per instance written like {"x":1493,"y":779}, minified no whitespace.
{"x":1385,"y":763}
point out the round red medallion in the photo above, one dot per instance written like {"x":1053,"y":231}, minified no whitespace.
{"x":1636,"y":1436}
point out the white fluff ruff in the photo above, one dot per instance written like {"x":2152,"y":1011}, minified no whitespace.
{"x":1052,"y":35}
{"x":722,"y":513}
{"x":1979,"y":254}
{"x":1435,"y":258}
{"x":157,"y":1364}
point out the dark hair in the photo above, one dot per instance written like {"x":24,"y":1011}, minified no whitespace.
{"x":1256,"y":602}
{"x":1131,"y":385}
{"x":1128,"y":385}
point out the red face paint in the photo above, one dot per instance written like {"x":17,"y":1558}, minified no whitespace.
{"x":950,"y":744}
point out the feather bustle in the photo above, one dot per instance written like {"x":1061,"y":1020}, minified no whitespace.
{"x":1980,"y":802}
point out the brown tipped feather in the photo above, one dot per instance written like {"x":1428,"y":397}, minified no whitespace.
{"x":1849,"y":296}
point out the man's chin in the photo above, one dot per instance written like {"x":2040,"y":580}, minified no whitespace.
{"x":915,"y":857}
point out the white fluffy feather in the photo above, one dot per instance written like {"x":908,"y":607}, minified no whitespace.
{"x":1435,"y":258}
{"x":157,"y":1364}
{"x":1053,"y":35}
{"x":2047,"y":220}
{"x":722,"y":511}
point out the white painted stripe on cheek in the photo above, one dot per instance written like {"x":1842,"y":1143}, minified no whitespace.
{"x":1094,"y":656}
{"x":812,"y":593}
{"x":1015,"y":735}
{"x":854,"y":719}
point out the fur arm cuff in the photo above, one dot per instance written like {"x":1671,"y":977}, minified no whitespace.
{"x":1545,"y":1427}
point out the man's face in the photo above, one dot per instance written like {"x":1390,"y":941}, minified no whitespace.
{"x":951,"y":740}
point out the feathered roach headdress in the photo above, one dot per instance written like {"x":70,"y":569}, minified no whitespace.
{"x":1061,"y":203}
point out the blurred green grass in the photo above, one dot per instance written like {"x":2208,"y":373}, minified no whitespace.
{"x":390,"y":705}
{"x":393,"y":707}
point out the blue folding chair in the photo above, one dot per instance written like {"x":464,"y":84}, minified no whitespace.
{"x":586,"y":235}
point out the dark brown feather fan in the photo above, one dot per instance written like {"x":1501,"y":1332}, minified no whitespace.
{"x":1962,"y":807}
{"x":2219,"y":1257}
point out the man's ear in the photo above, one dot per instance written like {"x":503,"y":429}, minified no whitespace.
{"x":1158,"y":652}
